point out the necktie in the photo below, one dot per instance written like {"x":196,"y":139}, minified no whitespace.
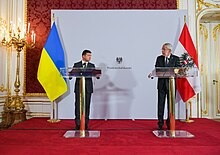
{"x":84,"y":65}
{"x":166,"y":62}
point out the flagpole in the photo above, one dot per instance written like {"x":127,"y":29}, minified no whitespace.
{"x":53,"y":119}
{"x":187,"y":120}
{"x":53,"y":19}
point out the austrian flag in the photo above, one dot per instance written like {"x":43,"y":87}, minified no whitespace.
{"x":190,"y":86}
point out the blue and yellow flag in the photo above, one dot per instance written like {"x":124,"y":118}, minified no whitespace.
{"x":52,"y":59}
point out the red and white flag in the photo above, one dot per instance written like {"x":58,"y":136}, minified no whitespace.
{"x":190,"y":86}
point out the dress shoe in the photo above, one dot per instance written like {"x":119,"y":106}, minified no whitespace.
{"x":168,"y":126}
{"x":77,"y":127}
{"x":160,"y":128}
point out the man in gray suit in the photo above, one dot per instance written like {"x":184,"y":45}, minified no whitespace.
{"x":86,"y":57}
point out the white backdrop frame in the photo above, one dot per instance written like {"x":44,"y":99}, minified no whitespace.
{"x":136,"y":36}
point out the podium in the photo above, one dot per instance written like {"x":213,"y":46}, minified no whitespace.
{"x":171,"y":73}
{"x":81,"y":73}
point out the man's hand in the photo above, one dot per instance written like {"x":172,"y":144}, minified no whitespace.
{"x":98,"y":76}
{"x":70,"y":78}
{"x":150,"y":76}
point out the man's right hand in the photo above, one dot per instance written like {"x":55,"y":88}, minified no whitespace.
{"x":70,"y":78}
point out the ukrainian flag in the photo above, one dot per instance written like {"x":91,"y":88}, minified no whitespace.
{"x":52,"y":59}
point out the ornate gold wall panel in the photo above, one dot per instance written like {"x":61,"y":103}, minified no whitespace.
{"x":202,"y":3}
{"x":216,"y":36}
{"x":204,"y":69}
{"x":207,"y":13}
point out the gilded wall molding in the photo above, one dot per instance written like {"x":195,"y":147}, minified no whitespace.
{"x":204,"y":67}
{"x":204,"y":30}
{"x":4,"y":96}
{"x":35,"y":94}
{"x":199,"y":14}
{"x":25,"y":22}
{"x":2,"y":88}
{"x":215,"y":30}
{"x":178,"y":4}
{"x":201,"y":3}
{"x":38,"y":114}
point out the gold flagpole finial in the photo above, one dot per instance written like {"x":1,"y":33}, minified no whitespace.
{"x":184,"y":18}
{"x":53,"y":18}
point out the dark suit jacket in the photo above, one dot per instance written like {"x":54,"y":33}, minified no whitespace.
{"x":89,"y":84}
{"x":163,"y":83}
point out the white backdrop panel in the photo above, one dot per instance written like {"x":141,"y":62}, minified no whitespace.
{"x":136,"y":36}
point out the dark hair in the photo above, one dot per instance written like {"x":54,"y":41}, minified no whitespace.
{"x":85,"y":52}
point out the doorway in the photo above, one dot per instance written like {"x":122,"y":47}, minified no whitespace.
{"x":208,"y":25}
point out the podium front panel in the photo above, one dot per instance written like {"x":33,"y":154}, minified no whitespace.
{"x":178,"y":72}
{"x":80,"y":72}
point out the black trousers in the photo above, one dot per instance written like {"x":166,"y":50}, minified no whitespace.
{"x":77,"y":108}
{"x":162,"y":94}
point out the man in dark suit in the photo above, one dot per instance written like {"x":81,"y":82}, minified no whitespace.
{"x":86,"y":57}
{"x":167,"y":59}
